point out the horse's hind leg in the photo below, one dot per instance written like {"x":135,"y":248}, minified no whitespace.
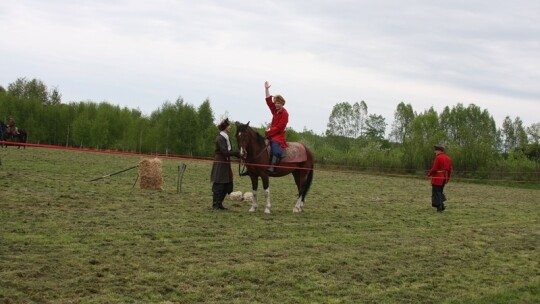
{"x":299,"y":203}
{"x":300,"y":180}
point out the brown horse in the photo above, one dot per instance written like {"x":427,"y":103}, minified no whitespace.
{"x":6,"y":135}
{"x":256,"y":153}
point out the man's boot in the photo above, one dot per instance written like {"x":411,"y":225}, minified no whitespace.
{"x":215,"y":202}
{"x":220,"y":206}
{"x":275,"y":162}
{"x":220,"y":200}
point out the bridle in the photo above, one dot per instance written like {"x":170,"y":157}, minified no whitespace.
{"x":242,"y":169}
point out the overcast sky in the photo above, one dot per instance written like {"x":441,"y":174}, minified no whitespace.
{"x":316,"y":54}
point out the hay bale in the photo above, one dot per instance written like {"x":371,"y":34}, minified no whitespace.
{"x":248,"y":197}
{"x":150,"y":174}
{"x":236,"y":195}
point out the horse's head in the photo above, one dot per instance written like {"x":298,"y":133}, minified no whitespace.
{"x":243,"y":138}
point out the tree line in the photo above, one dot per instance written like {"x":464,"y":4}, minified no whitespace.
{"x":354,"y":137}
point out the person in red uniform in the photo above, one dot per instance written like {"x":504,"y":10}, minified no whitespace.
{"x":276,"y":132}
{"x":440,"y":175}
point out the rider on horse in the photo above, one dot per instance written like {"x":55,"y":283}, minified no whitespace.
{"x":12,"y":127}
{"x":276,"y":132}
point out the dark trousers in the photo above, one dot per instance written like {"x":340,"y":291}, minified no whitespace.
{"x":220,"y":190}
{"x":437,"y":197}
{"x":277,"y":150}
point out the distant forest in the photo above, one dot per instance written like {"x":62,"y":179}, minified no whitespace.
{"x":354,"y":139}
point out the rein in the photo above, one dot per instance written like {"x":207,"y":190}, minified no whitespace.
{"x":242,"y":169}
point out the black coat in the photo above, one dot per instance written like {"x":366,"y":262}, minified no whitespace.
{"x":221,"y":169}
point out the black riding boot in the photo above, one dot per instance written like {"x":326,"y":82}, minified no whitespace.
{"x":219,"y":199}
{"x":215,"y":201}
{"x":275,"y":162}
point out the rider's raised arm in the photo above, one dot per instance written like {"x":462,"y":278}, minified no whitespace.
{"x":267,"y":89}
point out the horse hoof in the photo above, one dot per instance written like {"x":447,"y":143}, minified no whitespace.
{"x":267,"y":211}
{"x":296,"y":210}
{"x":252,"y":209}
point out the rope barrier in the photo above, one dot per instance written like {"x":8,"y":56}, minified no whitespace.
{"x":353,"y":170}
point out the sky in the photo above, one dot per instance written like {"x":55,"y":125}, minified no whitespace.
{"x":141,"y":54}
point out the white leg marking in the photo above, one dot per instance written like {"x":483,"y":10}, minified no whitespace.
{"x":267,"y":197}
{"x":254,"y":204}
{"x":298,"y":207}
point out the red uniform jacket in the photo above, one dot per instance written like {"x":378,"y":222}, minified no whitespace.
{"x":441,"y":170}
{"x":278,"y":125}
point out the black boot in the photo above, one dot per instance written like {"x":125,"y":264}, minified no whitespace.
{"x":215,"y":201}
{"x":275,"y":162}
{"x":220,"y":200}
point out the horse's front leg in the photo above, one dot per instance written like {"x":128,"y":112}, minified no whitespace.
{"x":266,"y":194}
{"x":254,"y":186}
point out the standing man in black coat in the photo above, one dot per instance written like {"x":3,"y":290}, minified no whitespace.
{"x":222,"y":176}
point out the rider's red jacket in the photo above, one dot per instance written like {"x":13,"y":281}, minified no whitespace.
{"x":276,"y":132}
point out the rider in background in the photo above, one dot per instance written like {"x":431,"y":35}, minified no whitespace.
{"x":12,"y":127}
{"x":276,"y":132}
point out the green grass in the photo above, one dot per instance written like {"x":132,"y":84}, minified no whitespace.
{"x":360,"y":239}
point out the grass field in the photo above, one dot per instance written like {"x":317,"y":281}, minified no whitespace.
{"x":360,"y":239}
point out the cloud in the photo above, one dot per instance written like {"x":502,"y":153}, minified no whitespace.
{"x":316,"y":53}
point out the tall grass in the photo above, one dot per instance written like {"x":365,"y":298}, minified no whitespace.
{"x":360,"y":239}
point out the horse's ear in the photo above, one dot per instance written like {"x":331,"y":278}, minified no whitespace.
{"x":247,"y":124}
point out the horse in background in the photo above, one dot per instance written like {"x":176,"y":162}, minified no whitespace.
{"x":255,"y":152}
{"x":6,"y":135}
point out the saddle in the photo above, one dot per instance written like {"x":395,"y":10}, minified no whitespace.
{"x":294,"y":153}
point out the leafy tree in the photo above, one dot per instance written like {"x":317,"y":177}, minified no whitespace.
{"x":403,"y":117}
{"x":520,"y":134}
{"x":532,"y":150}
{"x":509,"y":135}
{"x":55,"y":97}
{"x":340,"y":122}
{"x":473,"y":134}
{"x":347,"y":120}
{"x":208,"y":131}
{"x":375,"y":127}
{"x":360,"y":117}
{"x":33,"y":89}
{"x":425,"y":131}
{"x":534,"y":133}
{"x":83,"y":124}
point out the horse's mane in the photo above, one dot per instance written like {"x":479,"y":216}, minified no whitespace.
{"x":246,"y":128}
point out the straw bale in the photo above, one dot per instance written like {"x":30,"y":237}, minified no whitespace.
{"x":150,"y":174}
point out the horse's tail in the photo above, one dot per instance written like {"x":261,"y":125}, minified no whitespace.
{"x":308,"y":183}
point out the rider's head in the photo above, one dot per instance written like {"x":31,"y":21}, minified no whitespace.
{"x":279,"y":99}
